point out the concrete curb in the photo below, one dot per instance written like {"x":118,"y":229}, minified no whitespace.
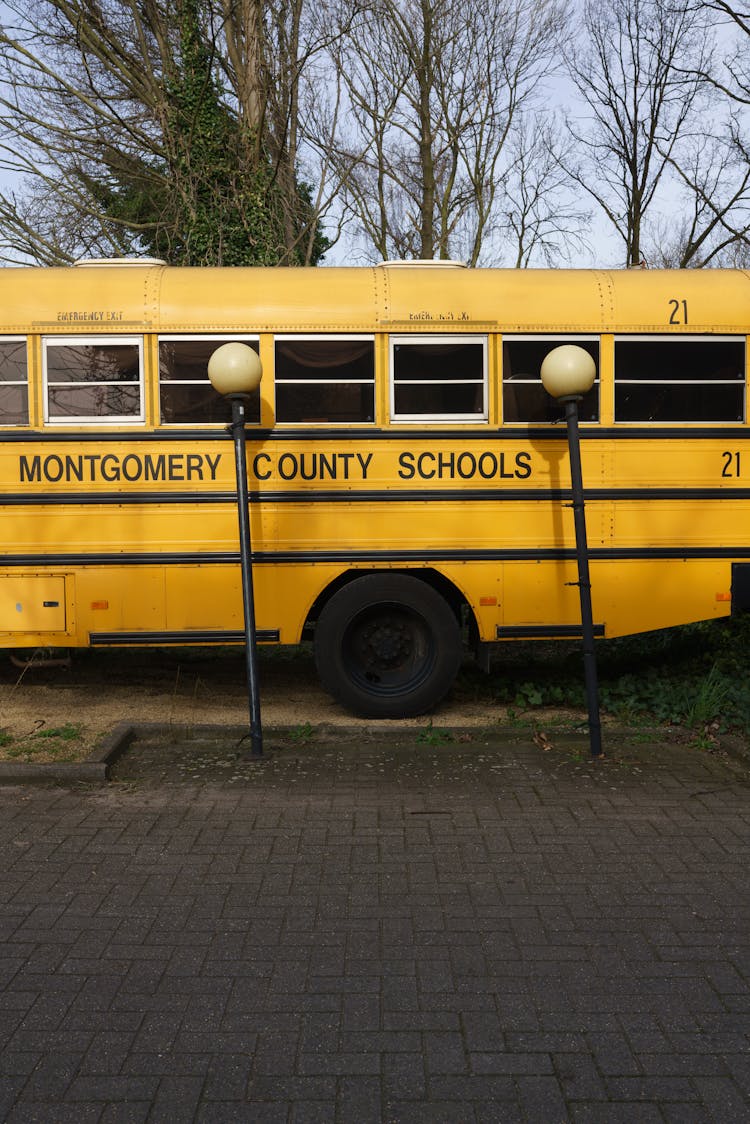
{"x":95,"y":769}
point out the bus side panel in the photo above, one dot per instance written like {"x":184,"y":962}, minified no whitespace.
{"x":628,"y":596}
{"x":156,"y":602}
{"x":640,"y":596}
{"x":119,"y":599}
{"x":210,"y":597}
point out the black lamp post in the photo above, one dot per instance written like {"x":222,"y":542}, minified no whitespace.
{"x":567,"y":373}
{"x":235,"y":371}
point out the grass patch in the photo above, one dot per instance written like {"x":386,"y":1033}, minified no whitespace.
{"x":302,"y":733}
{"x":54,"y":743}
{"x":432,"y":735}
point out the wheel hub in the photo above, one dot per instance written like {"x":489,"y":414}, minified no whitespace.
{"x":386,"y":643}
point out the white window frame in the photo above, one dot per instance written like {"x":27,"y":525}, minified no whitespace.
{"x":18,"y":382}
{"x":187,"y":337}
{"x":94,"y":341}
{"x":438,"y":339}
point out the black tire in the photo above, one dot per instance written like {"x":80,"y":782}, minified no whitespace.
{"x":387,"y":646}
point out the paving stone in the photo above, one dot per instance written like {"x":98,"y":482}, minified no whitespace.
{"x":379,"y":931}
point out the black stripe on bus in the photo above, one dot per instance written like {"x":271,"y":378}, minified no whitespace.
{"x":63,"y":499}
{"x":556,"y":431}
{"x":371,"y":495}
{"x":679,"y":431}
{"x":374,"y":557}
{"x":195,"y":636}
{"x":540,"y":631}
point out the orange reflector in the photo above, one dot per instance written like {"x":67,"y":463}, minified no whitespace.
{"x":100,"y":604}
{"x":488,"y":600}
{"x":723,"y":597}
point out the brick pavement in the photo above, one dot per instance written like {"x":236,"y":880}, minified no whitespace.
{"x":383,"y":932}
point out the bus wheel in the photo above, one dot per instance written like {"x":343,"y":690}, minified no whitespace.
{"x":387,"y":646}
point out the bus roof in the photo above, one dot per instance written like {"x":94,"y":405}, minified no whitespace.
{"x":396,"y":298}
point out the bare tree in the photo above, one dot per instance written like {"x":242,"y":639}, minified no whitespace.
{"x":712,"y":171}
{"x":543,"y":222}
{"x":712,"y":217}
{"x":638,"y":70}
{"x":276,"y":59}
{"x":732,"y":76}
{"x":432,"y":92}
{"x":167,"y":125}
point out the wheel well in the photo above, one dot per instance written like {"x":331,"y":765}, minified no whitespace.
{"x":438,"y":581}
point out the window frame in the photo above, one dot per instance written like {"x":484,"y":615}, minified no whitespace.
{"x":10,"y":338}
{"x":555,"y":340}
{"x":326,"y":337}
{"x":93,"y":340}
{"x":202,"y":337}
{"x":685,"y":339}
{"x":437,"y":339}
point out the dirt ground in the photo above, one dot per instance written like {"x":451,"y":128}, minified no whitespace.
{"x":59,"y":712}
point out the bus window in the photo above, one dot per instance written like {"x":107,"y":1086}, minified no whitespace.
{"x":442,"y":378}
{"x":90,"y":379}
{"x":325,"y":379}
{"x":185,"y":393}
{"x":664,"y":379}
{"x":524,"y":397}
{"x":14,"y":382}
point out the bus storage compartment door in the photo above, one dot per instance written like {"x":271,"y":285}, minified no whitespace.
{"x":32,"y":604}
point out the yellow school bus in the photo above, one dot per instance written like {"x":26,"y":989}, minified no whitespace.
{"x":409,"y":487}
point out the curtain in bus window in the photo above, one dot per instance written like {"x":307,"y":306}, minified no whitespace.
{"x":185,"y":392}
{"x":524,"y":396}
{"x":440,"y":380}
{"x":680,"y":380}
{"x":14,"y":389}
{"x":325,"y":380}
{"x":93,"y":380}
